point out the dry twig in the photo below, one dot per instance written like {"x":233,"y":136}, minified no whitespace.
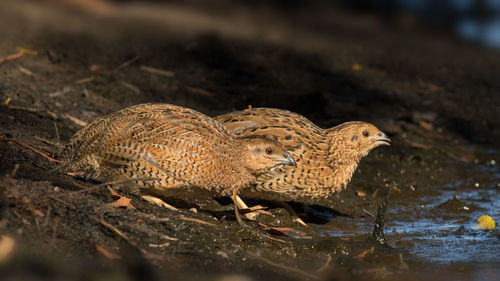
{"x":125,"y":64}
{"x":157,"y":71}
{"x":95,"y":187}
{"x":34,"y":110}
{"x":285,"y":267}
{"x":20,"y":143}
{"x":184,"y":218}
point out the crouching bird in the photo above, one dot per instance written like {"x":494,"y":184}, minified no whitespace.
{"x":326,"y":158}
{"x":172,"y":150}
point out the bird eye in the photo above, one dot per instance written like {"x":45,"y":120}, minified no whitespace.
{"x":365,"y":134}
{"x":269,"y":150}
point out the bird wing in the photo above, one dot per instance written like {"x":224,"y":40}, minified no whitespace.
{"x":291,"y":129}
{"x":160,"y":141}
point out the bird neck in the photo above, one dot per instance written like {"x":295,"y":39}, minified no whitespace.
{"x":343,"y":158}
{"x":241,"y":174}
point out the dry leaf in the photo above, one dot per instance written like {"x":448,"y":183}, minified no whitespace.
{"x":365,"y":253}
{"x":114,"y":193}
{"x":360,"y":193}
{"x":107,"y":253}
{"x":123,"y":202}
{"x":94,"y":68}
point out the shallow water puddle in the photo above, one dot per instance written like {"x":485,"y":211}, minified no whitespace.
{"x":439,"y":228}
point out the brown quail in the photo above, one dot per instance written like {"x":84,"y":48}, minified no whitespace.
{"x":326,"y":158}
{"x":171,"y":149}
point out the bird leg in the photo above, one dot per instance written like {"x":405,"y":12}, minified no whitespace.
{"x":235,"y":197}
{"x":242,"y":205}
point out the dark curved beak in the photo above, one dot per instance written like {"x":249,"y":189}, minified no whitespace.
{"x":288,"y":160}
{"x":383,"y":140}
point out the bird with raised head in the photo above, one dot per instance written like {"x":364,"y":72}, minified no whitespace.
{"x":173,"y":150}
{"x":326,"y":158}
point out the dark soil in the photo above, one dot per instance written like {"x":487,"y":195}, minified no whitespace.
{"x":434,"y":95}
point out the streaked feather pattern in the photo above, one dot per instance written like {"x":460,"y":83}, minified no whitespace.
{"x":326,"y":159}
{"x":179,"y":148}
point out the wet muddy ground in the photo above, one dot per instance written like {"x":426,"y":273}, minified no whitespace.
{"x":436,"y":97}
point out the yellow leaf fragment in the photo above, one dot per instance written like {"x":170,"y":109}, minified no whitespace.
{"x":27,"y":51}
{"x":485,"y":222}
{"x":357,"y":67}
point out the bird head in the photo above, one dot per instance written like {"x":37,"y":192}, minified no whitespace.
{"x":261,"y":153}
{"x":358,"y":138}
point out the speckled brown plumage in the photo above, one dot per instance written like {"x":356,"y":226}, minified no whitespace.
{"x":182,"y":150}
{"x":326,"y":158}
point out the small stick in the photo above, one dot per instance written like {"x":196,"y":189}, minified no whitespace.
{"x":275,"y":239}
{"x":54,"y":229}
{"x":12,"y":57}
{"x":25,"y":71}
{"x":119,"y":233}
{"x":84,"y":80}
{"x":325,"y":265}
{"x":131,"y":87}
{"x":111,"y":183}
{"x":14,"y":171}
{"x":126,"y":63}
{"x":184,"y":218}
{"x":76,"y":120}
{"x":199,"y":91}
{"x":58,"y":139}
{"x":157,"y":71}
{"x":30,"y":148}
{"x":368,"y":213}
{"x":113,"y":228}
{"x":46,"y":141}
{"x":47,"y":216}
{"x":285,"y":267}
{"x":34,"y":110}
{"x":62,"y":201}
